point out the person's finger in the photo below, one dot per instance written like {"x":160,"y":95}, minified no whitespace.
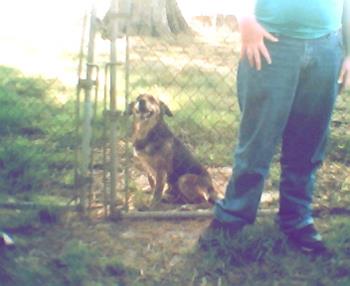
{"x":346,"y":81}
{"x":270,"y":37}
{"x":265,"y":53}
{"x":257,"y":59}
{"x":341,"y":76}
{"x":250,"y":55}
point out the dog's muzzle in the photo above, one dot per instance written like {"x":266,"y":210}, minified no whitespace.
{"x":146,"y":115}
{"x":142,"y":111}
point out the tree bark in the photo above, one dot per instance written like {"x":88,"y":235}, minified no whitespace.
{"x":177,"y":22}
{"x":150,"y":17}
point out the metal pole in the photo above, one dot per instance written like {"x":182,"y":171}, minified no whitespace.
{"x":91,"y":196}
{"x":77,"y":179}
{"x":104,"y":135}
{"x":113,"y":103}
{"x":178,"y":214}
{"x":87,"y":115}
{"x":127,"y":94}
{"x":167,"y":214}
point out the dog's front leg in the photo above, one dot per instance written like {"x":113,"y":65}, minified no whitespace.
{"x":151,"y":182}
{"x":159,"y":187}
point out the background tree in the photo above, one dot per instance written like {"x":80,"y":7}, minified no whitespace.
{"x":149,"y":17}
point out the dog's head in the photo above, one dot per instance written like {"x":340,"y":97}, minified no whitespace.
{"x":147,"y":111}
{"x":147,"y":108}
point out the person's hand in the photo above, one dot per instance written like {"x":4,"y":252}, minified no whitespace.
{"x":253,"y":46}
{"x":344,"y":76}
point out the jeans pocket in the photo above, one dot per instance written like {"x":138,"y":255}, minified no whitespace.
{"x":339,"y":39}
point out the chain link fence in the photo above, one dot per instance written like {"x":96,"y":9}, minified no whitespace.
{"x":194,"y":75}
{"x":75,"y":146}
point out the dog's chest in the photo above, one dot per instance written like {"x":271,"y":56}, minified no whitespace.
{"x":154,"y":156}
{"x":146,"y":162}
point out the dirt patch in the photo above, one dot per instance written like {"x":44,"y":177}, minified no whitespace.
{"x":153,"y":249}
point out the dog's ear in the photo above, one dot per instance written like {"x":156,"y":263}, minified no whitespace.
{"x":165,"y":109}
{"x":129,"y":109}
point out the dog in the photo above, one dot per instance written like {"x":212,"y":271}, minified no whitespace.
{"x":165,"y":158}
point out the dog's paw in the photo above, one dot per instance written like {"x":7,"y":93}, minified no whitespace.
{"x":143,"y":208}
{"x":147,"y":190}
{"x":155,"y":204}
{"x":171,"y":198}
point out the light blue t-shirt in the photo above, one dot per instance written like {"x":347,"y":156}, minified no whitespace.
{"x":304,"y":19}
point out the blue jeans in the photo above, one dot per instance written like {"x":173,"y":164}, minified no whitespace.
{"x":289,"y":101}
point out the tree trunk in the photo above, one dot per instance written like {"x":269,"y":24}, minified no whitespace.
{"x":150,"y":17}
{"x":177,"y":22}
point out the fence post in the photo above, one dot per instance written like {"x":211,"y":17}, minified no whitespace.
{"x":77,"y":175}
{"x":87,"y":85}
{"x":113,"y":102}
{"x":127,"y":99}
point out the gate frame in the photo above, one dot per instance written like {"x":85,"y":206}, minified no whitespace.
{"x":111,"y":116}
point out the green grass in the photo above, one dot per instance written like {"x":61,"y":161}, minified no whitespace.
{"x":36,"y":133}
{"x":34,"y":262}
{"x":24,"y":166}
{"x":259,"y":255}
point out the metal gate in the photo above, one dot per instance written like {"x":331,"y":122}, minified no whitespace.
{"x":191,"y":75}
{"x":195,"y":77}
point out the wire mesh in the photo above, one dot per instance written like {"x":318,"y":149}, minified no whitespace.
{"x":194,"y":75}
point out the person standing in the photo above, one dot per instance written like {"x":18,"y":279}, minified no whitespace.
{"x":294,"y":60}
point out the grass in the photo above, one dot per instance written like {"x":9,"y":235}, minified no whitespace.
{"x":127,"y":253}
{"x":261,"y":256}
{"x":35,"y":261}
{"x":36,"y":136}
{"x":197,"y":82}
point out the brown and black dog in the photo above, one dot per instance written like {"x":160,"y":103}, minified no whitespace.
{"x":165,"y":157}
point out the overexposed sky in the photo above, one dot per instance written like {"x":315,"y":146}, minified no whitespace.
{"x":209,"y":7}
{"x":35,"y":35}
{"x":51,"y":15}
